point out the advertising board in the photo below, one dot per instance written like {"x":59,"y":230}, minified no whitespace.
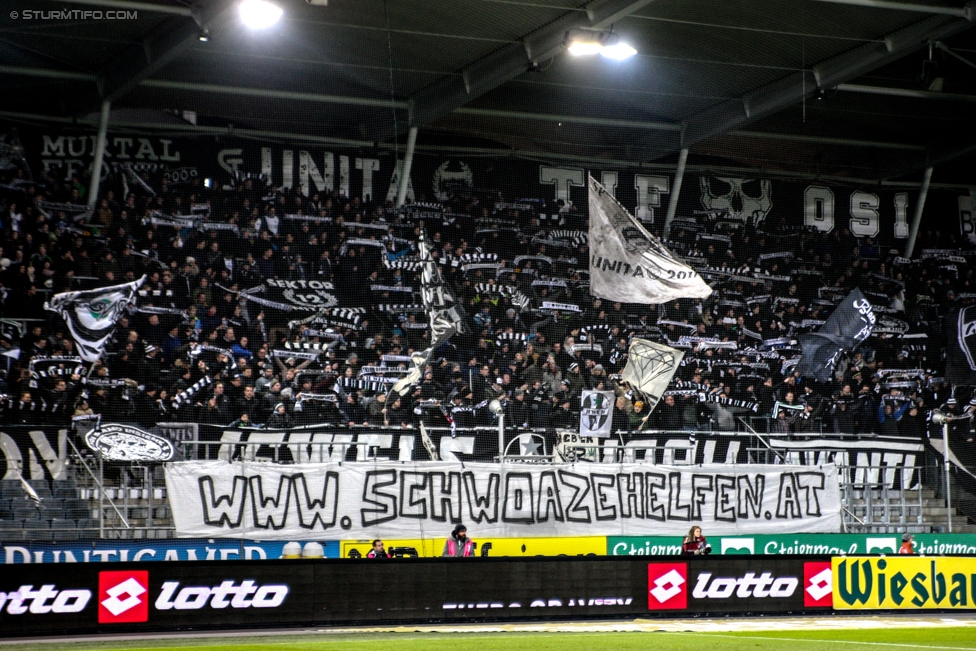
{"x":39,"y":599}
{"x":904,"y":583}
{"x":753,"y":585}
{"x":490,"y":547}
{"x":791,"y":544}
{"x":109,"y":551}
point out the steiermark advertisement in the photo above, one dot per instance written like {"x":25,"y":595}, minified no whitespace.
{"x":821,"y":543}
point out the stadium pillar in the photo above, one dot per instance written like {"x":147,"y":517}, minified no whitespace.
{"x":922,"y":194}
{"x":96,"y":174}
{"x":679,"y":176}
{"x":501,"y":438}
{"x":946,"y":468}
{"x":407,"y":164}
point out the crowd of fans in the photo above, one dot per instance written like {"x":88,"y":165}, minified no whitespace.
{"x":199,"y":346}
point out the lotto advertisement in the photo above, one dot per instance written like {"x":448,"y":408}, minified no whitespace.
{"x":42,"y":599}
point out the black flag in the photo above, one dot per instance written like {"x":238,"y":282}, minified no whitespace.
{"x":849,"y":325}
{"x":961,"y":346}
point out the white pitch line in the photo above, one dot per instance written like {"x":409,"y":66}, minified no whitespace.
{"x":824,"y":642}
{"x":715,"y":627}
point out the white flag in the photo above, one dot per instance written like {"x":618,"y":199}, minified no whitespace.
{"x":91,"y":315}
{"x":650,"y":367}
{"x":630,"y":265}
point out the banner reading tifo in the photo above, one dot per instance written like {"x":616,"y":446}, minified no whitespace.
{"x":903,"y":582}
{"x":395,"y":500}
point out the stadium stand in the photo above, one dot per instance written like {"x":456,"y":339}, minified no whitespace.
{"x":214,"y":343}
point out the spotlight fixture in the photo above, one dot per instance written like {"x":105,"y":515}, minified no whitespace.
{"x":204,"y":36}
{"x":259,"y":14}
{"x":584,"y":42}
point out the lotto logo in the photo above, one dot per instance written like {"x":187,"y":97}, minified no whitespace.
{"x":123,"y":597}
{"x":818,"y":585}
{"x":667,"y":586}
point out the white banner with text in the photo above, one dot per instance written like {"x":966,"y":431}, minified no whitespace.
{"x":395,"y":500}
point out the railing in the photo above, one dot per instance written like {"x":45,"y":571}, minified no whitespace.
{"x":880,"y":485}
{"x":877,"y":506}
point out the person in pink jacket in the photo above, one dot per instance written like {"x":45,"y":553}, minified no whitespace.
{"x":458,"y":544}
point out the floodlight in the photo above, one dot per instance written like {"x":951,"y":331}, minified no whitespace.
{"x":618,"y":51}
{"x":584,"y":42}
{"x":259,"y":14}
{"x":585,"y":48}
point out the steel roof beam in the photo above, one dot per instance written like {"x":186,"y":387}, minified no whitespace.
{"x":961,"y":12}
{"x":490,"y":72}
{"x":466,"y":111}
{"x":905,"y":92}
{"x":798,"y":86}
{"x":139,"y":61}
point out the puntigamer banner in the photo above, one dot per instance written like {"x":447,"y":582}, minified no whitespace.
{"x":115,"y":551}
{"x":396,"y":500}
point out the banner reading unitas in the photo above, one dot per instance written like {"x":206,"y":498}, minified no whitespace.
{"x":630,"y":265}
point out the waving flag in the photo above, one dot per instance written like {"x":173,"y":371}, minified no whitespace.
{"x":850,"y":324}
{"x":91,"y":315}
{"x":444,"y":313}
{"x":630,"y":265}
{"x":961,"y":346}
{"x":650,"y":367}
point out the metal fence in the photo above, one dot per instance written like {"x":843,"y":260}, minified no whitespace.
{"x":80,"y":495}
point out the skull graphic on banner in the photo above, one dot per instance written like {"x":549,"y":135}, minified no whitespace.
{"x":747,"y":200}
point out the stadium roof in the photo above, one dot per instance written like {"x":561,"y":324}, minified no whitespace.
{"x":807,"y":87}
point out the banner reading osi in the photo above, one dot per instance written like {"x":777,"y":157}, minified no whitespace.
{"x":903,"y":582}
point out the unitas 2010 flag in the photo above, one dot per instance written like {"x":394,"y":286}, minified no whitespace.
{"x":630,"y":265}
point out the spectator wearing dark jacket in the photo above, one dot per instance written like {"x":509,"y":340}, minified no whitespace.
{"x":667,"y":415}
{"x":280,"y":418}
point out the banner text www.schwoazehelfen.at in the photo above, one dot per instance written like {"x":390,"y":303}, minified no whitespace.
{"x":397,"y":500}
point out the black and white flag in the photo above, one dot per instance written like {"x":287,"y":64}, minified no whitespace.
{"x":596,"y":413}
{"x":849,"y":325}
{"x":961,"y":346}
{"x":630,"y":265}
{"x":444,"y":313}
{"x":91,"y":315}
{"x":650,"y":367}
